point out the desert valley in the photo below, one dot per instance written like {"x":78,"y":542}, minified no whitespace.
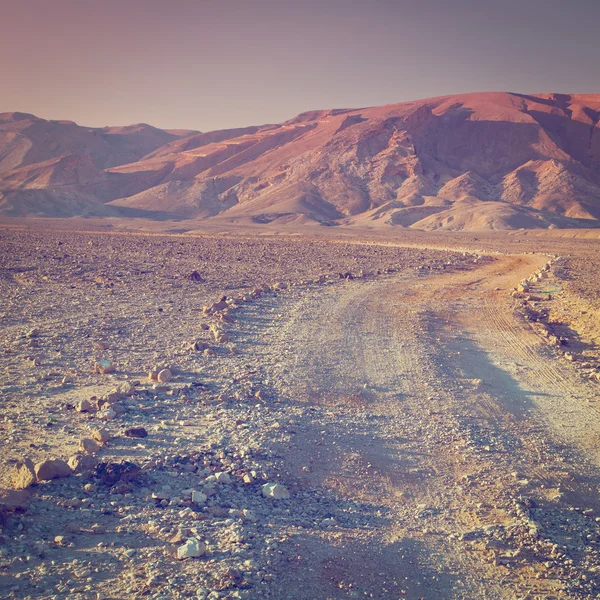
{"x":352,"y":355}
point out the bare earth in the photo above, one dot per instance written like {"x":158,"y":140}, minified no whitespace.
{"x":439,"y":436}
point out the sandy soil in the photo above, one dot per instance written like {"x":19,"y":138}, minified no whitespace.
{"x":433,"y":442}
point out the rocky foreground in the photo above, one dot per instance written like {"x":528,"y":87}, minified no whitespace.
{"x":141,"y":431}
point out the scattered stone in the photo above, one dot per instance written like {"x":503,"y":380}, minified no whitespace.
{"x":80,"y":463}
{"x":199,"y":497}
{"x":23,"y":475}
{"x":104,"y":367}
{"x":100,"y":435}
{"x":107,"y":414}
{"x":112,"y":473}
{"x":195,"y":277}
{"x":222,"y":477}
{"x":84,"y":406}
{"x":191,"y":549}
{"x":136,"y":432}
{"x":164,"y":376}
{"x":275,"y":491}
{"x":52,"y":469}
{"x":88,"y":446}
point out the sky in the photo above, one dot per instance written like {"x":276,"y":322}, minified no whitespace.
{"x":214,"y":64}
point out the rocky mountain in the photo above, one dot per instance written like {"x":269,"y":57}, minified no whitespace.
{"x":473,"y":161}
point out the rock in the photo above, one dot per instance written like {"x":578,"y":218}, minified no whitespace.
{"x":195,"y":277}
{"x":199,"y":497}
{"x":23,"y":475}
{"x":52,"y":469}
{"x":220,"y":305}
{"x":100,"y":435}
{"x":191,"y":549}
{"x":223,"y":477}
{"x":117,"y":407}
{"x":112,"y":473}
{"x":123,"y":390}
{"x":80,"y":463}
{"x":107,"y":414}
{"x":84,"y":406}
{"x":153,"y":375}
{"x":136,"y":432}
{"x":275,"y":491}
{"x":104,"y":367}
{"x":88,"y":446}
{"x":248,"y":479}
{"x":164,"y":376}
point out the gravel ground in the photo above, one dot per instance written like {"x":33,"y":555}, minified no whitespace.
{"x":74,"y":304}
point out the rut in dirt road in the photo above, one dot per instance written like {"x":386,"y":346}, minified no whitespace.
{"x":440,"y":423}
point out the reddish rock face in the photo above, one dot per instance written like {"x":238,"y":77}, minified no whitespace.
{"x":484,"y":160}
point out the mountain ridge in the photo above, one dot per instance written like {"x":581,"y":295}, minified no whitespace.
{"x":492,"y":160}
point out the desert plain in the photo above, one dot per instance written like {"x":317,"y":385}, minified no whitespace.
{"x":298,"y":413}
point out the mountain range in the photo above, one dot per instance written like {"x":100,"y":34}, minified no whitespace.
{"x":462,"y":162}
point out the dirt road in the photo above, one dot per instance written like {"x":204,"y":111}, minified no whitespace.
{"x":468,"y":449}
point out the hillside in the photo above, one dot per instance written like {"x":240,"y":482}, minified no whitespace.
{"x":473,"y":161}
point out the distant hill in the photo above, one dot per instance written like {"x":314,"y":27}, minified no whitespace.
{"x":473,"y":161}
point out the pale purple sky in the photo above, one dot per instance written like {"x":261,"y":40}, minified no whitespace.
{"x":212,"y":64}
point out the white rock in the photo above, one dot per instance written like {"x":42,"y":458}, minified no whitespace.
{"x":191,"y":549}
{"x":275,"y":491}
{"x":222,"y":477}
{"x":199,"y":497}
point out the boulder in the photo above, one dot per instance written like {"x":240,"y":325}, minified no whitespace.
{"x":53,"y":468}
{"x":80,"y":463}
{"x":23,"y":475}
